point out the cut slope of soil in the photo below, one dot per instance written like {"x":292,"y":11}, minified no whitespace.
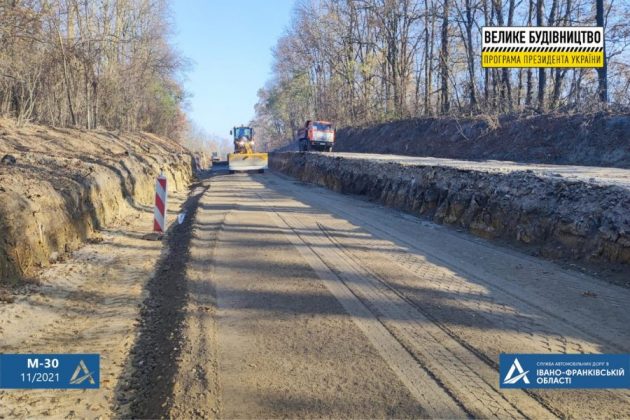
{"x":553,"y":216}
{"x":89,"y":303}
{"x":599,"y":139}
{"x":57,"y":186}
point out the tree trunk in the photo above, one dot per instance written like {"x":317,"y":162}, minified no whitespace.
{"x":66,"y":79}
{"x":602,"y":73}
{"x":444,"y":60}
{"x":470,"y":54}
{"x":541,"y":71}
{"x":528,"y":94}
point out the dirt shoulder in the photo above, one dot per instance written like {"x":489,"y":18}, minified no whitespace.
{"x":145,"y":390}
{"x":75,"y":209}
{"x":87,"y":303}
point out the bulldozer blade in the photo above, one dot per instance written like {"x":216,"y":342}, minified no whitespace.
{"x":247,"y":162}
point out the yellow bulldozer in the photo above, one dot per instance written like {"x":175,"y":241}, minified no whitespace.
{"x":244,"y":158}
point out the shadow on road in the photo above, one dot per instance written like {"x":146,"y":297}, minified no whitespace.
{"x":157,"y":348}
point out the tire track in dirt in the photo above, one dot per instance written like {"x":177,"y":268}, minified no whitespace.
{"x":147,"y":391}
{"x":572,"y":323}
{"x":489,"y":377}
{"x":434,"y":397}
{"x":484,"y":273}
{"x":484,"y":290}
{"x":538,"y":333}
{"x":449,"y":365}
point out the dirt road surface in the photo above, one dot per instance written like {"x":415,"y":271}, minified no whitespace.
{"x":281,"y":299}
{"x":319,"y":304}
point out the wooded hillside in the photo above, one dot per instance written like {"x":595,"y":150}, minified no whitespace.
{"x":366,"y":61}
{"x":90,"y":63}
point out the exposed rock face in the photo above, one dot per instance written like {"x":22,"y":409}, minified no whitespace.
{"x":562,"y":218}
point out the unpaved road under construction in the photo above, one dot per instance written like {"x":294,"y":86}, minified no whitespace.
{"x":277,"y":298}
{"x":593,"y":174}
{"x":306,"y":303}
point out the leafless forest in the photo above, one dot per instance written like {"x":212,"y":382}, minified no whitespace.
{"x":109,"y":63}
{"x":90,"y":63}
{"x":362,"y":61}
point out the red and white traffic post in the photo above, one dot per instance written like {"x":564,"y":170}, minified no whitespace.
{"x":159,"y":213}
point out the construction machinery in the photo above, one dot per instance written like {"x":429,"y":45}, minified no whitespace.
{"x":244,"y":158}
{"x":316,"y":135}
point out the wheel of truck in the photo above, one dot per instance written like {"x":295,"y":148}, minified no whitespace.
{"x":261,"y":171}
{"x":231,"y":171}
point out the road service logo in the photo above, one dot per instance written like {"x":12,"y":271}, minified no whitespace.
{"x":87,"y":375}
{"x":511,"y":378}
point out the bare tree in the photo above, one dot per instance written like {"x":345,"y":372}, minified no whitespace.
{"x":90,"y":63}
{"x":602,"y":73}
{"x":540,"y":10}
{"x":444,"y":58}
{"x":364,"y":61}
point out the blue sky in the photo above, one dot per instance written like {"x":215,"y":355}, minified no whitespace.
{"x":229,"y":42}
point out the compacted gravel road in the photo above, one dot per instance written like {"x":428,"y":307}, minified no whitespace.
{"x":319,"y":304}
{"x":591,"y":174}
{"x":276,"y":298}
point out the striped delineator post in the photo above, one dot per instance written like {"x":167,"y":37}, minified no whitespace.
{"x":159,"y":213}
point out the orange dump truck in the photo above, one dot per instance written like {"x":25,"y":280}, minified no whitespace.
{"x":316,"y":135}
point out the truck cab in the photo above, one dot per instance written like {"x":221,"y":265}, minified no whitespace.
{"x":316,"y":135}
{"x":243,"y":139}
{"x":244,"y":157}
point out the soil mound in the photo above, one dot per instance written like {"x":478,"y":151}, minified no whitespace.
{"x":598,"y":139}
{"x":58,"y":185}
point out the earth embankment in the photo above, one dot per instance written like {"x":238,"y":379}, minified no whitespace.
{"x":58,"y":186}
{"x":582,"y":218}
{"x":593,"y":139}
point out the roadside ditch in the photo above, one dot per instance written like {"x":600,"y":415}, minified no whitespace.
{"x":552,"y":217}
{"x":60,"y":186}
